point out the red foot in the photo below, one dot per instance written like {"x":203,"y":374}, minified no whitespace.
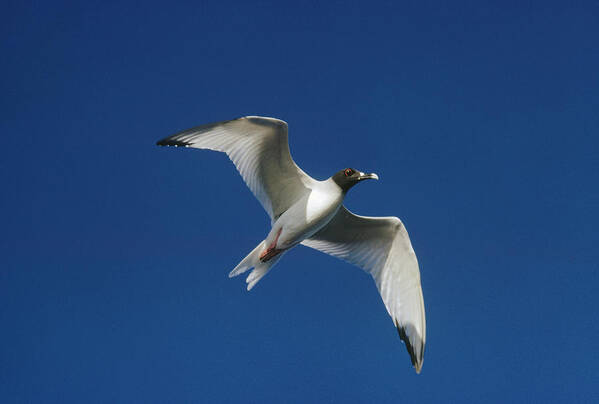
{"x":268,"y":254}
{"x":271,"y":251}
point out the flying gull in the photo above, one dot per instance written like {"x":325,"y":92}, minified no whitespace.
{"x":311,"y":212}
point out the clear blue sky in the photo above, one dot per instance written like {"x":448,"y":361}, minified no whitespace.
{"x":481,"y":118}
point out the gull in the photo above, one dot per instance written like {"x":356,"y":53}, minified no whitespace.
{"x":306,"y":211}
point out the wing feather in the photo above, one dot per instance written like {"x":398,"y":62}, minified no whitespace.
{"x":259,"y":148}
{"x":381,"y":246}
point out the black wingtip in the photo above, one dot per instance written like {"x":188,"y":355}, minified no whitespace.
{"x":416,"y":362}
{"x":171,"y":142}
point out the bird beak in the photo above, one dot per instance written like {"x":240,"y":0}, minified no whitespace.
{"x":364,"y":176}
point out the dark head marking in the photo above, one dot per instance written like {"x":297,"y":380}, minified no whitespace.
{"x":349,"y":177}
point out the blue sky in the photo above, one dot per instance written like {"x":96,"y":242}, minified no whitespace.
{"x":479,"y":117}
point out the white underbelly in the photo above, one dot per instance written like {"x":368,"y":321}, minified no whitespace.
{"x":306,"y":217}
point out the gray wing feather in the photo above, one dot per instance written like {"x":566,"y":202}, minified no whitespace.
{"x":259,"y":149}
{"x":381,"y":246}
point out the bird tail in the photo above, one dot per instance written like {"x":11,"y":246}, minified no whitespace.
{"x":253,"y":261}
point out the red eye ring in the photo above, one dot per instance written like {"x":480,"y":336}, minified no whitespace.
{"x":348,"y":172}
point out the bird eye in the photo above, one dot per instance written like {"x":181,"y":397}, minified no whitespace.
{"x":348,"y":172}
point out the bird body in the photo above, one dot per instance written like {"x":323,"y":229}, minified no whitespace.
{"x":310,"y":212}
{"x":308,"y":215}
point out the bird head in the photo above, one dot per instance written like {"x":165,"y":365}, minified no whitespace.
{"x":349,"y":177}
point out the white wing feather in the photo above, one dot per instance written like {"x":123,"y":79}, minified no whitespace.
{"x":259,"y":149}
{"x":381,"y":246}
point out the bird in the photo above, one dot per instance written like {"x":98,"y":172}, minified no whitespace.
{"x":310,"y":212}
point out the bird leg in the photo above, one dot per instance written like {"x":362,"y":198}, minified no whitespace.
{"x":271,"y":251}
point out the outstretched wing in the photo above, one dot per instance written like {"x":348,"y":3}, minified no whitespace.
{"x":381,"y":246}
{"x":259,"y":149}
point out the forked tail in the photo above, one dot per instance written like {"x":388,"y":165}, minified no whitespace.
{"x":253,"y":261}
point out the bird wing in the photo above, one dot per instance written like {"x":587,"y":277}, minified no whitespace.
{"x":381,"y":246}
{"x":259,"y":149}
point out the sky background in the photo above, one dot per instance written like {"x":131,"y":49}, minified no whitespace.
{"x":481,"y":119}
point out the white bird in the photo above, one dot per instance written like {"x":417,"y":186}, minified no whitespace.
{"x":311,"y":212}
